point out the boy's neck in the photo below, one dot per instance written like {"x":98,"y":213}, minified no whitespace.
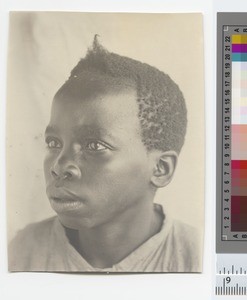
{"x":108,"y":244}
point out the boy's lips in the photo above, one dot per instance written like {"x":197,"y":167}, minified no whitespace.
{"x":63,"y":200}
{"x":61,"y":194}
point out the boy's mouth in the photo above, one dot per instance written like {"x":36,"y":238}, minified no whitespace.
{"x":62,"y":204}
{"x":62,"y":200}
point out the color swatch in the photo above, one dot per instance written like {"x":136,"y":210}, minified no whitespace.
{"x":239,"y":134}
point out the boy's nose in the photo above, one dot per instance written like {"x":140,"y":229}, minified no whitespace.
{"x":65,"y":170}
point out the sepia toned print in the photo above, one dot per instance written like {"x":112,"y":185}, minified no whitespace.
{"x":110,"y":129}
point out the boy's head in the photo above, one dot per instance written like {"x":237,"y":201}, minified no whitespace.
{"x":116,"y":128}
{"x":162,"y":110}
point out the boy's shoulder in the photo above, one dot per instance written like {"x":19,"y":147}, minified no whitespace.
{"x":184,"y":231}
{"x":37,"y":229}
{"x":186,"y":243}
{"x":178,"y":231}
{"x":34,"y":238}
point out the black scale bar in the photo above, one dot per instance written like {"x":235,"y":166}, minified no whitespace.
{"x":231,"y":291}
{"x":238,"y":271}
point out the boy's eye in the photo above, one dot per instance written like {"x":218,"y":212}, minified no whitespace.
{"x":53,"y":144}
{"x":96,"y":146}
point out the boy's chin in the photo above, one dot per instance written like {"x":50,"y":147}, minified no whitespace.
{"x":77,"y":223}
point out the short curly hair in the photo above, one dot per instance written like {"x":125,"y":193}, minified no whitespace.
{"x":162,"y":108}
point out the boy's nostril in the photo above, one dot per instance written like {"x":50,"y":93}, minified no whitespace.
{"x":54,"y":174}
{"x":72,"y":171}
{"x":67,"y":175}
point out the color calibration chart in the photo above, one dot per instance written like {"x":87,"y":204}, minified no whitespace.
{"x":231,"y":199}
{"x":238,"y":45}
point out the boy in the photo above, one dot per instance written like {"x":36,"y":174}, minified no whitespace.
{"x":116,"y":129}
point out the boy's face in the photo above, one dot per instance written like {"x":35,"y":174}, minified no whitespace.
{"x":96,"y":166}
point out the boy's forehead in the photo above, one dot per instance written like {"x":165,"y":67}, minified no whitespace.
{"x":93,"y":114}
{"x":82,"y":130}
{"x":66,"y":96}
{"x":90,"y":84}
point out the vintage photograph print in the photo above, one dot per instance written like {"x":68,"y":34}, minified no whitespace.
{"x":105,"y":142}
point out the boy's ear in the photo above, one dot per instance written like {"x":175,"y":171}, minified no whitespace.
{"x":164,"y":168}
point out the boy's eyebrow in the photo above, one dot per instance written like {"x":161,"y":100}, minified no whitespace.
{"x":83,"y":130}
{"x":91,"y":130}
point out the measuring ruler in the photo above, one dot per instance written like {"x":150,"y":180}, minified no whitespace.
{"x":231,"y":206}
{"x":231,"y":274}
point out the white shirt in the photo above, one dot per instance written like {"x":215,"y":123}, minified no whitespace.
{"x":44,"y":246}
